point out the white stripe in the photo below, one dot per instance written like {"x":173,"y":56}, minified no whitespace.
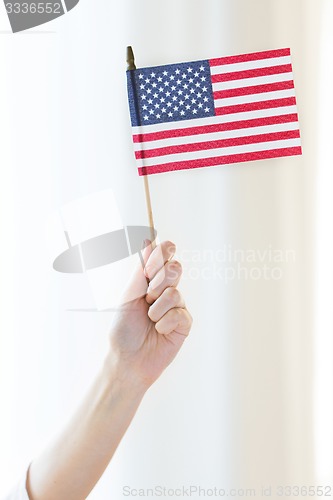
{"x":215,"y":120}
{"x":249,"y":82}
{"x":266,"y":96}
{"x":211,"y":153}
{"x":217,"y":136}
{"x":244,"y":66}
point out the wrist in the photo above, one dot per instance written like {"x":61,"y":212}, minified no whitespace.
{"x":121,"y":380}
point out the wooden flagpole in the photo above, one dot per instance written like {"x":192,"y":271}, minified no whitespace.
{"x":131,"y":66}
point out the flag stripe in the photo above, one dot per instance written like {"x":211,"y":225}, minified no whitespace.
{"x":214,"y":120}
{"x":221,"y":160}
{"x":216,"y":127}
{"x":216,"y":144}
{"x":230,"y":150}
{"x":251,"y":73}
{"x":243,"y":66}
{"x":255,"y":89}
{"x":217,"y":136}
{"x":253,"y":106}
{"x":249,"y":82}
{"x":280,"y":94}
{"x":255,"y":56}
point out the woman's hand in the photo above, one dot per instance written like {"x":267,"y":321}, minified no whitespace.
{"x":149,"y":331}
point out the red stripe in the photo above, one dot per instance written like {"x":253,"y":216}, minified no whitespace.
{"x":221,"y":160}
{"x":221,"y":127}
{"x":254,"y":106}
{"x":256,"y":56}
{"x":223,"y":143}
{"x":252,"y":73}
{"x":256,"y":89}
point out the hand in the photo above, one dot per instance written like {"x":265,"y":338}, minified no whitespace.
{"x":149,"y":331}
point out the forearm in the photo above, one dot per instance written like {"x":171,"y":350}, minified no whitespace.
{"x":73,"y":464}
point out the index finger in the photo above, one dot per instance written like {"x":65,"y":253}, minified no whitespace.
{"x":158,"y":258}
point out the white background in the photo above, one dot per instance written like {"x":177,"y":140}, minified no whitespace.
{"x":248,"y":402}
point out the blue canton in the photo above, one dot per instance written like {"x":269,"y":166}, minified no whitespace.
{"x":170,"y":93}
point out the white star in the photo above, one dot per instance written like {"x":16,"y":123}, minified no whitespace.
{"x":199,"y":95}
{"x":200,"y":105}
{"x":148,"y":91}
{"x":140,"y":76}
{"x":168,"y":94}
{"x":142,"y":86}
{"x":143,"y":97}
{"x":169,"y":104}
{"x":151,"y":111}
{"x":153,"y":75}
{"x":182,"y":112}
{"x":203,"y":78}
{"x":166,"y":84}
{"x":147,"y":80}
{"x":163,"y":110}
{"x":207,"y":110}
{"x":196,"y":74}
{"x":162,"y":99}
{"x":165,"y":73}
{"x":180,"y":92}
{"x":170,"y":114}
{"x":155,"y":95}
{"x":204,"y":89}
{"x":191,"y":80}
{"x":192,"y":91}
{"x":146,"y":117}
{"x":172,"y":77}
{"x":157,"y":105}
{"x":154,"y":85}
{"x":161,"y":89}
{"x":181,"y":103}
{"x":173,"y":88}
{"x":158,"y":116}
{"x":188,"y":107}
{"x":179,"y":82}
{"x":202,"y":68}
{"x":177,"y":71}
{"x":197,"y":85}
{"x":150,"y":101}
{"x":144,"y":107}
{"x":174,"y":98}
{"x":176,"y":108}
{"x":206,"y":99}
{"x":184,"y":75}
{"x":187,"y":96}
{"x":185,"y":86}
{"x":189,"y":70}
{"x":194,"y":111}
{"x":193,"y":101}
{"x":159,"y":79}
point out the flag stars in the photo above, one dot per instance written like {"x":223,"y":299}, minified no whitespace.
{"x":174,"y":93}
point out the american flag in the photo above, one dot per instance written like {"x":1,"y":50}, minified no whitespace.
{"x":214,"y":112}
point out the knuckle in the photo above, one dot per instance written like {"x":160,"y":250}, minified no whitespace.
{"x":151,"y":313}
{"x":172,"y":294}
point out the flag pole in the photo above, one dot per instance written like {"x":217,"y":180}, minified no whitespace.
{"x":131,"y":66}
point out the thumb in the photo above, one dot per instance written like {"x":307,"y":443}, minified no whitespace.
{"x":138,"y":283}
